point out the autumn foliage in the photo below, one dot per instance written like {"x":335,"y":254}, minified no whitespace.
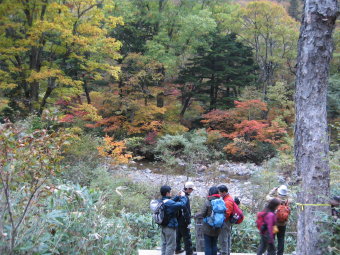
{"x":115,"y":150}
{"x":244,"y":126}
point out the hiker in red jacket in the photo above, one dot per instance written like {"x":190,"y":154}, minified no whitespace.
{"x":225,"y":236}
{"x":266,"y":221}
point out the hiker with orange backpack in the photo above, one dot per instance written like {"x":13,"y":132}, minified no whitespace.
{"x":282,"y":214}
{"x":266,"y":223}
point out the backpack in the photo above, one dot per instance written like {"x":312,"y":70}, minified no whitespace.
{"x":282,"y":213}
{"x":158,"y":212}
{"x":260,"y":222}
{"x":237,"y":215}
{"x":217,"y":216}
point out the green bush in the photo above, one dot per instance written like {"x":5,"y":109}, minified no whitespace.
{"x":81,"y":160}
{"x":140,"y":148}
{"x":70,"y":221}
{"x":121,"y":194}
{"x":191,"y":147}
{"x":331,"y":234}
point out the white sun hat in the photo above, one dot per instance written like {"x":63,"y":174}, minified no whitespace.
{"x":189,"y":185}
{"x":282,"y":190}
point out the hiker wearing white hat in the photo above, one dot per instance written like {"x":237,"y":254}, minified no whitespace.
{"x":184,"y":220}
{"x":282,"y":214}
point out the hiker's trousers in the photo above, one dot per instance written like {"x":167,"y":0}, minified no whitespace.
{"x":210,"y":245}
{"x":281,"y":240}
{"x":184,"y":232}
{"x":225,"y":239}
{"x":265,"y":246}
{"x":168,"y":237}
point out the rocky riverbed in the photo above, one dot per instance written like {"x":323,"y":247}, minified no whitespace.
{"x":234,"y":175}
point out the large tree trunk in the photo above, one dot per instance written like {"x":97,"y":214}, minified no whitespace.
{"x":311,"y":140}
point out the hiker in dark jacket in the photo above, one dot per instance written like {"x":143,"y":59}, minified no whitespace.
{"x":210,"y":233}
{"x":184,"y":220}
{"x":268,"y":233}
{"x":171,"y":211}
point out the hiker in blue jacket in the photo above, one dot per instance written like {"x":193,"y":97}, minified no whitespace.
{"x":170,"y":224}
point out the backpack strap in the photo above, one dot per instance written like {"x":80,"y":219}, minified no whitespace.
{"x":286,"y":203}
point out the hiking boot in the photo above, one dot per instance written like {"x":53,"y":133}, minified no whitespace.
{"x":178,"y":252}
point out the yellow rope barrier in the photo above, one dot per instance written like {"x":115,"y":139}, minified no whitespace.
{"x":303,"y":205}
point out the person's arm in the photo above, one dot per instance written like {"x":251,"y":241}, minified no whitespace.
{"x":176,"y":198}
{"x":271,"y":221}
{"x":272,"y":194}
{"x":204,"y":211}
{"x":181,"y":203}
{"x":230,"y":208}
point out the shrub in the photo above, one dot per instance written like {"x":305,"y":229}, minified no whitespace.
{"x":173,"y":129}
{"x":190,"y":147}
{"x":245,"y":151}
{"x":81,"y":159}
{"x":70,"y":221}
{"x":331,"y":234}
{"x":28,"y":162}
{"x":134,"y":197}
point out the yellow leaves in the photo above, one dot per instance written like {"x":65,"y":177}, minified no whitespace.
{"x":113,"y":71}
{"x":5,"y":85}
{"x":112,"y":21}
{"x":115,"y":150}
{"x":5,"y":81}
{"x":145,"y":119}
{"x":3,"y":103}
{"x":111,"y":46}
{"x":89,"y":29}
{"x":46,"y":73}
{"x":91,"y":112}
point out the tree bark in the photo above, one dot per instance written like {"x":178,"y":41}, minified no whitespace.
{"x":311,"y":140}
{"x":185,"y":106}
{"x":87,"y":91}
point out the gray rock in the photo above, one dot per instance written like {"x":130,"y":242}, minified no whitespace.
{"x":201,"y":168}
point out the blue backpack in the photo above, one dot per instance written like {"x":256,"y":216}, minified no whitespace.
{"x":217,"y":216}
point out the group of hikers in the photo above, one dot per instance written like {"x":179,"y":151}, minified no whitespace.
{"x":219,"y":212}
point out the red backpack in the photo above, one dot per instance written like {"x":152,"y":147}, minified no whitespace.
{"x":282,"y":213}
{"x":260,"y":223}
{"x":237,"y":215}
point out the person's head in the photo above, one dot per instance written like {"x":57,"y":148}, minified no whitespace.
{"x":282,"y":190}
{"x":223,"y":190}
{"x":165,"y":191}
{"x":213,"y":191}
{"x":272,"y":205}
{"x":189,"y":187}
{"x":237,"y":201}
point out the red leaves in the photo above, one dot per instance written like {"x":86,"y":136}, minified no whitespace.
{"x":244,"y":125}
{"x":249,"y":129}
{"x":251,"y":104}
